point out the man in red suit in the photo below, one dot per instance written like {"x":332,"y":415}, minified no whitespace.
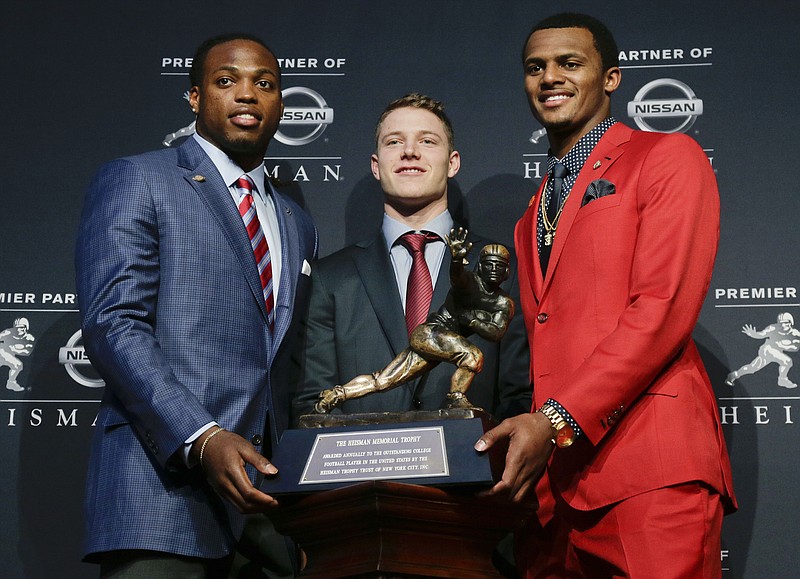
{"x":624,"y":447}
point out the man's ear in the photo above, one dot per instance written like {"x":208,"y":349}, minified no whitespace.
{"x":455,"y":164}
{"x":376,"y":171}
{"x":194,"y":99}
{"x":613,"y":78}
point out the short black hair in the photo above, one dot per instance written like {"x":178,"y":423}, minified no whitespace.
{"x":199,"y":60}
{"x":603,"y":39}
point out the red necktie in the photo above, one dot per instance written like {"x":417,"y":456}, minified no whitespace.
{"x":420,"y":289}
{"x":258,"y":240}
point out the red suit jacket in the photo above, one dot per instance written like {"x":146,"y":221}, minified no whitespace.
{"x":610,"y":324}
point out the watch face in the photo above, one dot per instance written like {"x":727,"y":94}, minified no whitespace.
{"x":565,"y":436}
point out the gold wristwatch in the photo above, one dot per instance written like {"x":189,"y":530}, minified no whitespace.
{"x":563,"y":433}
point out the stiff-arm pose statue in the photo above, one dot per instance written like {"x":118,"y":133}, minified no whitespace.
{"x":476,"y":304}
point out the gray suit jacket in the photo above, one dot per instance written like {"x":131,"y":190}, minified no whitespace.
{"x":174,"y":321}
{"x":356,"y":325}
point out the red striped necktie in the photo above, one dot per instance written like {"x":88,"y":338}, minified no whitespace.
{"x":420,"y":288}
{"x":247,"y":209}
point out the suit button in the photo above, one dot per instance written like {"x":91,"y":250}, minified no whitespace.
{"x":256,"y":440}
{"x":542,"y":318}
{"x":416,"y":402}
{"x":151,"y":443}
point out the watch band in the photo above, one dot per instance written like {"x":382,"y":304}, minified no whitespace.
{"x":563,"y":433}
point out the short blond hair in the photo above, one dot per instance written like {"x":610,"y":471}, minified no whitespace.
{"x":417,"y":100}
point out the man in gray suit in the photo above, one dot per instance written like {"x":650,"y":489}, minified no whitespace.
{"x":357,"y":313}
{"x":190,"y":266}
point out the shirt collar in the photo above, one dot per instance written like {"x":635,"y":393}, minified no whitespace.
{"x":393,"y":229}
{"x":577,"y":155}
{"x":229,"y":170}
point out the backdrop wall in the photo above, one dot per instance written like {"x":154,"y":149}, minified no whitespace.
{"x":91,"y":81}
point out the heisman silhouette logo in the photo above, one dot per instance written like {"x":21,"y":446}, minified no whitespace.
{"x":779,"y":340}
{"x":15,"y":342}
{"x":180,"y":133}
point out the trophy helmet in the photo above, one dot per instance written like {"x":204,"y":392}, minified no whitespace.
{"x":496,"y":250}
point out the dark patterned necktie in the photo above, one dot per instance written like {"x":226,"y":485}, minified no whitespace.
{"x":559,"y":172}
{"x":554,"y":202}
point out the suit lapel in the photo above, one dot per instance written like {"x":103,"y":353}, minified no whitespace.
{"x":291,"y":262}
{"x":527,"y":247}
{"x":603,"y":156}
{"x":378,"y":279}
{"x":442,"y":285}
{"x":204,"y":178}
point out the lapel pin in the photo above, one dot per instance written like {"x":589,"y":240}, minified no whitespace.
{"x":596,"y":164}
{"x":199,"y":178}
{"x":288,"y":211}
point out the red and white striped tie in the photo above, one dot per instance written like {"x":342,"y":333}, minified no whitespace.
{"x":258,"y":240}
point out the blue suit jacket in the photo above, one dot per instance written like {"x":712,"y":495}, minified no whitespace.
{"x":356,"y":325}
{"x":174,"y":321}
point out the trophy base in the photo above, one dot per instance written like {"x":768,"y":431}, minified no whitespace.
{"x":329,"y":420}
{"x":417,"y":447}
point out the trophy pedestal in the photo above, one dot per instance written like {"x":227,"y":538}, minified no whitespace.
{"x":385,"y":529}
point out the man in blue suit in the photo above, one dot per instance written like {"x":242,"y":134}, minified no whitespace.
{"x":189,"y":332}
{"x":357,"y":314}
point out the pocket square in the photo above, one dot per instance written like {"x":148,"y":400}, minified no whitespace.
{"x":306,"y":268}
{"x":597,"y":189}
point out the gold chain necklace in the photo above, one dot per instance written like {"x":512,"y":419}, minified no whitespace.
{"x":550,"y":226}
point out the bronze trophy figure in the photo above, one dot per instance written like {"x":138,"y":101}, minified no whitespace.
{"x":475,"y":304}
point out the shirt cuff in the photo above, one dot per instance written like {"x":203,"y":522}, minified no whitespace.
{"x":187,"y":446}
